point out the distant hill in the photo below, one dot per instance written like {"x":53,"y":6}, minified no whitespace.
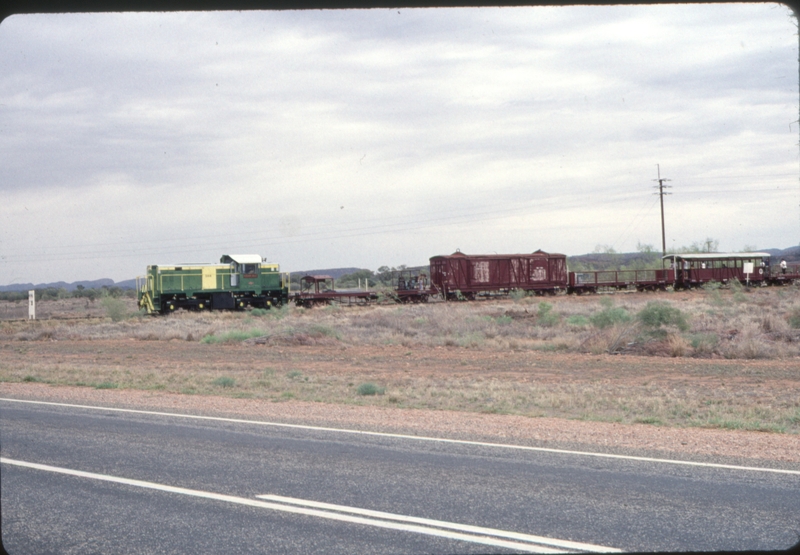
{"x":95,"y":284}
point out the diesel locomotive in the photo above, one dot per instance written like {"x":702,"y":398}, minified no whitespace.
{"x":238,"y":282}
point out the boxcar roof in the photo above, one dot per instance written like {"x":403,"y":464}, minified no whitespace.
{"x":315,"y":278}
{"x":717,"y":255}
{"x":459,"y":254}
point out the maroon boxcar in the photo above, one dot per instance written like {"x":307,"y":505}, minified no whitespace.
{"x":461,"y":275}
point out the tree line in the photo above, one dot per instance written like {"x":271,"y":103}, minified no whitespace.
{"x":81,"y":292}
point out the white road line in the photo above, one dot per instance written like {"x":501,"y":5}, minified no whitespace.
{"x":419,"y":438}
{"x":429,"y":531}
{"x":443,"y":524}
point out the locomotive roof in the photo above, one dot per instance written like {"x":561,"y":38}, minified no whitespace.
{"x":717,"y":255}
{"x":241,"y":258}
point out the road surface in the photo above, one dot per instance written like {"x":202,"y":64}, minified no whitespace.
{"x":99,"y":480}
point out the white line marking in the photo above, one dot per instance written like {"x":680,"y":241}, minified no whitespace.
{"x":480,"y":539}
{"x":419,"y":438}
{"x":443,"y":524}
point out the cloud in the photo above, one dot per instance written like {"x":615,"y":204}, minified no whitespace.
{"x":134,"y":137}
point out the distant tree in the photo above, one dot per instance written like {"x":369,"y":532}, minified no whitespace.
{"x":604,"y":249}
{"x":13,"y":295}
{"x":645,"y":248}
{"x":709,"y":245}
{"x":352,"y":280}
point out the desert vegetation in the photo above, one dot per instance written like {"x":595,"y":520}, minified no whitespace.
{"x":734,"y":322}
{"x":724,"y":357}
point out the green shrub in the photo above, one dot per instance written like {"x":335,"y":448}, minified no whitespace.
{"x":369,"y":388}
{"x":115,"y":309}
{"x":657,"y":314}
{"x":517,"y":295}
{"x":610,"y":315}
{"x":232,"y":336}
{"x":578,"y":320}
{"x":294,"y":374}
{"x":794,"y":318}
{"x":712,"y":286}
{"x":704,"y":343}
{"x":259,"y":312}
{"x":106,"y":385}
{"x":321,"y":329}
{"x":546,"y":317}
{"x":224,"y":381}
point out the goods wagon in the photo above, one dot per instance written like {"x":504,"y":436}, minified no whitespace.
{"x":467,"y":276}
{"x":239,"y":281}
{"x":592,"y":281}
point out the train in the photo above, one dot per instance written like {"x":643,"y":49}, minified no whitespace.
{"x":238,"y":282}
{"x":248,"y":281}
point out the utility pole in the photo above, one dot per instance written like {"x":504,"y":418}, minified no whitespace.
{"x":661,"y":193}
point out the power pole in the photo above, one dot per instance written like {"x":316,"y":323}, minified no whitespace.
{"x":661,"y":193}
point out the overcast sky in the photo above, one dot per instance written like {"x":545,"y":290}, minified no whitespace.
{"x":322,"y":139}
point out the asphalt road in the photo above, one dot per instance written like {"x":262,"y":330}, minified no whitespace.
{"x":77,"y":480}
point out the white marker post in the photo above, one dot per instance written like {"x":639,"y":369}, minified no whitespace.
{"x":748,"y":269}
{"x":31,"y":305}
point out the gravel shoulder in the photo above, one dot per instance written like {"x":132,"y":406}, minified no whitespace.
{"x":712,"y":445}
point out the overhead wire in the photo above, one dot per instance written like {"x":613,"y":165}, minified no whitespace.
{"x":358,"y":228}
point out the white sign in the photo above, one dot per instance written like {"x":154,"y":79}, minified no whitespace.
{"x":31,"y":305}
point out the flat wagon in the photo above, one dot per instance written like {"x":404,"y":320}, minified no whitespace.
{"x":467,"y":276}
{"x":238,"y":282}
{"x":593,"y":281}
{"x":321,"y":290}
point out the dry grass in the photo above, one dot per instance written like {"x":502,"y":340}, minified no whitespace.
{"x":736,"y":323}
{"x":754,"y":396}
{"x":740,"y":349}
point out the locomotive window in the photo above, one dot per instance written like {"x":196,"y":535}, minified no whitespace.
{"x":249,"y":268}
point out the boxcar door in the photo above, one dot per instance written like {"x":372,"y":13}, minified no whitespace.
{"x":538,"y":272}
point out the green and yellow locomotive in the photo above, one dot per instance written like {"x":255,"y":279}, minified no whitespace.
{"x":240,"y":281}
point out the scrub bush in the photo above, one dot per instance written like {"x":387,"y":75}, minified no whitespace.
{"x":657,"y":314}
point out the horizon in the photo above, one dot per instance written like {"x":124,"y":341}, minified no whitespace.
{"x":338,"y":268}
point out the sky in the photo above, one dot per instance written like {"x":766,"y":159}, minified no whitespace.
{"x":368,"y":138}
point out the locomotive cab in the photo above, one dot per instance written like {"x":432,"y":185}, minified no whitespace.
{"x":245,"y":269}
